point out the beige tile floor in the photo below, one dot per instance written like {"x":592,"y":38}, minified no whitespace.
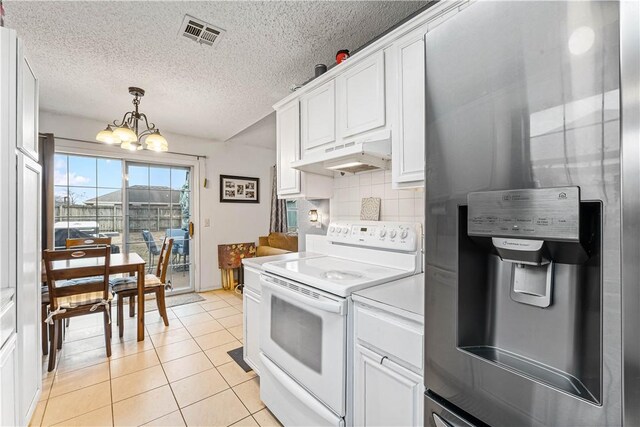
{"x":179,"y":375}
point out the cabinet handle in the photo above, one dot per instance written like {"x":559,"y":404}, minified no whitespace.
{"x":382,"y":360}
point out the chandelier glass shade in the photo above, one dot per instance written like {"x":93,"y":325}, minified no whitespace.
{"x":128,"y":133}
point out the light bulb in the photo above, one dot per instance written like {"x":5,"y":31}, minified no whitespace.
{"x":157,"y":142}
{"x":125,"y":133}
{"x":107,"y":136}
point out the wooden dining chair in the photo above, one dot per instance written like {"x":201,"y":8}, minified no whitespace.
{"x":71,"y":297}
{"x":70,"y":243}
{"x":127,"y":287}
{"x":84,"y":241}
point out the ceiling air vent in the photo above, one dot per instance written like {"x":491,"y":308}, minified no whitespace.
{"x":199,"y":31}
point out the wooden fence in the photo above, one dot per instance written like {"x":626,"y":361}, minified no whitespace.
{"x":110,"y":218}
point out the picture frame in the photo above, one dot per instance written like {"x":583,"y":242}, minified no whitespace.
{"x":239,"y":189}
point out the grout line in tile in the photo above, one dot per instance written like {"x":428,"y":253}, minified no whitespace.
{"x":155,"y":349}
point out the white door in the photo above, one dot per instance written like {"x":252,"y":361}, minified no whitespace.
{"x":386,"y":394}
{"x":29,"y":256}
{"x":317,"y":118}
{"x":409,"y":133}
{"x":361,"y":96}
{"x":288,"y":148}
{"x":304,"y":333}
{"x":251,"y":310}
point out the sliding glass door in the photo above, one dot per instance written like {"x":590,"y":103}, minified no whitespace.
{"x":158,"y":205}
{"x":136,"y":204}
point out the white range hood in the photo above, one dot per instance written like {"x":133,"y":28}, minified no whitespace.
{"x":364,"y":155}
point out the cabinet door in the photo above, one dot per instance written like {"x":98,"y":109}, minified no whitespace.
{"x":386,"y":394}
{"x":361,"y":95}
{"x":251,"y":312}
{"x":409,"y":132}
{"x":29,"y":285}
{"x":27,"y":107}
{"x":317,"y":117}
{"x":8,"y":383}
{"x":288,"y":148}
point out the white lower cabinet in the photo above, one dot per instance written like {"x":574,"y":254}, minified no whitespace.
{"x":7,"y":383}
{"x":386,"y":394}
{"x":388,"y":387}
{"x":251,"y":310}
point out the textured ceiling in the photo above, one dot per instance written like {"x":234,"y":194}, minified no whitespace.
{"x":86,"y":54}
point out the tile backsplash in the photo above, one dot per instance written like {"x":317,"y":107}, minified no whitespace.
{"x":397,"y":205}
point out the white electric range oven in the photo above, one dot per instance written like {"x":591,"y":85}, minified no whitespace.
{"x":305,"y":316}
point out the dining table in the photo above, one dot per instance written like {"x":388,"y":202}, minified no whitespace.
{"x":123,"y":263}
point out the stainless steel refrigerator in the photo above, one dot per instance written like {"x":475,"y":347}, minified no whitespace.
{"x":532,"y":301}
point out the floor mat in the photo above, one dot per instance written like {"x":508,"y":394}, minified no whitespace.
{"x":236,"y":355}
{"x":173,"y":301}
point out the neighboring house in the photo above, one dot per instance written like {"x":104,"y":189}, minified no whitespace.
{"x":139,"y":195}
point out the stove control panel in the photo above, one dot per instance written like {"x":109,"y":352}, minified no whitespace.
{"x":403,"y":236}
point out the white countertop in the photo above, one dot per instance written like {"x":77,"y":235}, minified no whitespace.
{"x":259,"y":261}
{"x":404,"y":294}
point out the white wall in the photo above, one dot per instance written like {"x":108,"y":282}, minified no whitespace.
{"x":230,"y":222}
{"x":397,"y":205}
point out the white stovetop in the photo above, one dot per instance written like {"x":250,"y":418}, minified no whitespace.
{"x":337,"y":276}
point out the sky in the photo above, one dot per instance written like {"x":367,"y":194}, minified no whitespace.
{"x":89,"y":177}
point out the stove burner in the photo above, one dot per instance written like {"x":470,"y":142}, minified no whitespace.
{"x":341,"y":275}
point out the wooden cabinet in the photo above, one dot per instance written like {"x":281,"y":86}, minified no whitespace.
{"x":292,"y":183}
{"x":318,"y":119}
{"x":409,"y":130}
{"x":386,"y":394}
{"x":361,"y":96}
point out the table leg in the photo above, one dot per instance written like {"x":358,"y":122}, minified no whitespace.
{"x":140,"y":302}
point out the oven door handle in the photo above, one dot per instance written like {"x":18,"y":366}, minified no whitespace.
{"x":328,"y":306}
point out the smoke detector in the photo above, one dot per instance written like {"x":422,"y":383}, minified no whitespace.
{"x":200,"y":31}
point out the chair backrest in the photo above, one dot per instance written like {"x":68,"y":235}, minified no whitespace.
{"x":88,"y":241}
{"x":78,"y":263}
{"x":150,"y":241}
{"x":163,"y":259}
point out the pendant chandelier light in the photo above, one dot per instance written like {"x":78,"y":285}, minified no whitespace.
{"x":127,"y":132}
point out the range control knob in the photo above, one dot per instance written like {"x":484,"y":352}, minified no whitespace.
{"x":331,"y":229}
{"x":392,"y":234}
{"x":345,"y":230}
{"x":382,"y":232}
{"x":338,"y":229}
{"x":404,"y":234}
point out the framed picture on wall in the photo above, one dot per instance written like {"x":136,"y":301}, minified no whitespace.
{"x":239,"y":189}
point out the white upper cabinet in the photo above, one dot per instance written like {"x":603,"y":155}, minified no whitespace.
{"x":293,"y":183}
{"x":409,"y":128}
{"x":28,"y":106}
{"x":318,"y":118}
{"x":288,"y":148}
{"x":361,"y":96}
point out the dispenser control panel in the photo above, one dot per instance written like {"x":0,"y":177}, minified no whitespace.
{"x":546,"y":213}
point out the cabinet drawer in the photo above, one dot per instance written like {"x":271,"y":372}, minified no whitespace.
{"x":392,"y":336}
{"x":252,"y":279}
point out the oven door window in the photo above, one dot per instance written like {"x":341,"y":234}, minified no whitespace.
{"x":304,"y":341}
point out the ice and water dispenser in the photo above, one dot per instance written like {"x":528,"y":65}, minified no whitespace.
{"x":530,"y":286}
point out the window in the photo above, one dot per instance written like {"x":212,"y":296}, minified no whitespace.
{"x":87,"y":198}
{"x":292,"y":216}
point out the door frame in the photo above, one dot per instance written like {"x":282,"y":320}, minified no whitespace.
{"x":164,"y":159}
